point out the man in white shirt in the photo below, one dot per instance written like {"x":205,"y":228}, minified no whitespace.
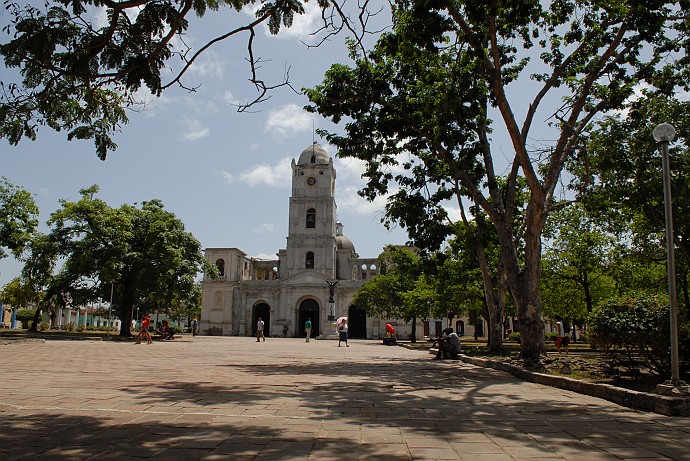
{"x":260,"y":330}
{"x":449,"y":347}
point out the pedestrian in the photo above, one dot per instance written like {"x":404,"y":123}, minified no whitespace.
{"x":260,"y":330}
{"x":342,"y":333}
{"x":144,"y":333}
{"x":563,"y":339}
{"x":307,"y":328}
{"x":449,"y":345}
{"x":195,"y":327}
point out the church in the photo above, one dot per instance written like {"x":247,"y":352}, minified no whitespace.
{"x":315,"y":277}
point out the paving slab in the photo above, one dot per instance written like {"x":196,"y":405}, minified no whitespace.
{"x":215,"y":398}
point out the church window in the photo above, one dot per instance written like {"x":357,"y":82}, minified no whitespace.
{"x":310,"y":260}
{"x":313,"y":159}
{"x":311,"y":218}
{"x":220,"y":264}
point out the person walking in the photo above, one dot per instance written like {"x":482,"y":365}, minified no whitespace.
{"x":563,"y":340}
{"x":195,"y":327}
{"x":260,"y":330}
{"x":307,"y":328}
{"x":144,"y":333}
{"x":342,"y":333}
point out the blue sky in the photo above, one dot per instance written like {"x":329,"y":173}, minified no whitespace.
{"x":226,"y":175}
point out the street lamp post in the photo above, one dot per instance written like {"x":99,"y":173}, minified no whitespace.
{"x":110,"y":308}
{"x":664,"y":134}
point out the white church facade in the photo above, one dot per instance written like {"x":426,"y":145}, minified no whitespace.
{"x":286,"y":291}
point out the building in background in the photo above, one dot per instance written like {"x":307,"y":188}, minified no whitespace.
{"x":288,"y":290}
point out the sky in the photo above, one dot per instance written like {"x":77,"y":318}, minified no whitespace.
{"x":225,"y":174}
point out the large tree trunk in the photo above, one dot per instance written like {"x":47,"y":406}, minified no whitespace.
{"x":524,"y":283}
{"x":494,"y":306}
{"x":37,"y":320}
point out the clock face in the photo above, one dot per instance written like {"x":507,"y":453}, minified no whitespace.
{"x":311,"y":181}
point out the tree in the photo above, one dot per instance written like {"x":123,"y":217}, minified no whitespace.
{"x":18,"y":294}
{"x":425,"y":97}
{"x":141,"y":253}
{"x":18,"y":218}
{"x":80,"y":76}
{"x":576,"y":262}
{"x":389,"y":293}
{"x":617,"y":175}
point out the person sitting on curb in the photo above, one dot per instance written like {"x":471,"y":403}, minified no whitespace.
{"x":448,"y":345}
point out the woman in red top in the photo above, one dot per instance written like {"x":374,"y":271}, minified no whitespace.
{"x":144,"y":333}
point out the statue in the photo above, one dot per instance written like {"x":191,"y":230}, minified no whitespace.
{"x":331,"y":290}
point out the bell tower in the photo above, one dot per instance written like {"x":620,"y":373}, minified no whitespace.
{"x":311,"y":241}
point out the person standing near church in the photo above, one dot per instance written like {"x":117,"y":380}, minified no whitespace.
{"x":307,"y":328}
{"x":342,"y":333}
{"x":260,"y":330}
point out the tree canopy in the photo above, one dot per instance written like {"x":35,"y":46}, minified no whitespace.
{"x":144,"y":254}
{"x":432,"y":91}
{"x":82,"y":61}
{"x":18,"y":218}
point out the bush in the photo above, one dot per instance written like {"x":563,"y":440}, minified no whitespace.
{"x":636,"y":325}
{"x":514,"y":336}
{"x":26,"y":316}
{"x":45,"y":326}
{"x":550,"y":336}
{"x":70,"y":326}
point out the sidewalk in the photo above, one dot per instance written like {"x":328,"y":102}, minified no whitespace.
{"x":229,"y":398}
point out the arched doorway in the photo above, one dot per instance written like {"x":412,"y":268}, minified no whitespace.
{"x":460,"y":327}
{"x":309,"y":309}
{"x":262,"y":310}
{"x":356,"y":322}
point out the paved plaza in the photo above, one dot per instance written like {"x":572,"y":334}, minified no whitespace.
{"x":230,"y":398}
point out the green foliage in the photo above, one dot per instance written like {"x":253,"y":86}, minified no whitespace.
{"x":18,"y":293}
{"x":26,"y":315}
{"x":550,"y":336}
{"x":514,"y":336}
{"x":80,"y":76}
{"x":635,"y":325}
{"x":144,"y":254}
{"x":576,"y":264}
{"x":419,"y":103}
{"x":18,"y":218}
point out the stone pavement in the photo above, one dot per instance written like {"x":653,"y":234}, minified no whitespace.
{"x":218,"y":398}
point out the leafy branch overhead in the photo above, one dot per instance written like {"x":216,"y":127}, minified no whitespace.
{"x":79,"y":76}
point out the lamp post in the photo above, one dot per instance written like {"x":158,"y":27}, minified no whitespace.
{"x":664,"y":134}
{"x":110,"y":308}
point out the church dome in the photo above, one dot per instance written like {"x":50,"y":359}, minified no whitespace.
{"x":344,"y":243}
{"x":314,"y":154}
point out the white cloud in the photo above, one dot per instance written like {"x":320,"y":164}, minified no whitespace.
{"x":265,"y":228}
{"x":289,"y":120}
{"x":268,"y":256}
{"x":349,"y":169}
{"x":350,"y":202}
{"x":230,"y":98}
{"x":277,"y":175}
{"x":194,"y":130}
{"x":209,"y":64}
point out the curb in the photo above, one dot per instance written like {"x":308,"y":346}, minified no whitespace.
{"x":643,"y":401}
